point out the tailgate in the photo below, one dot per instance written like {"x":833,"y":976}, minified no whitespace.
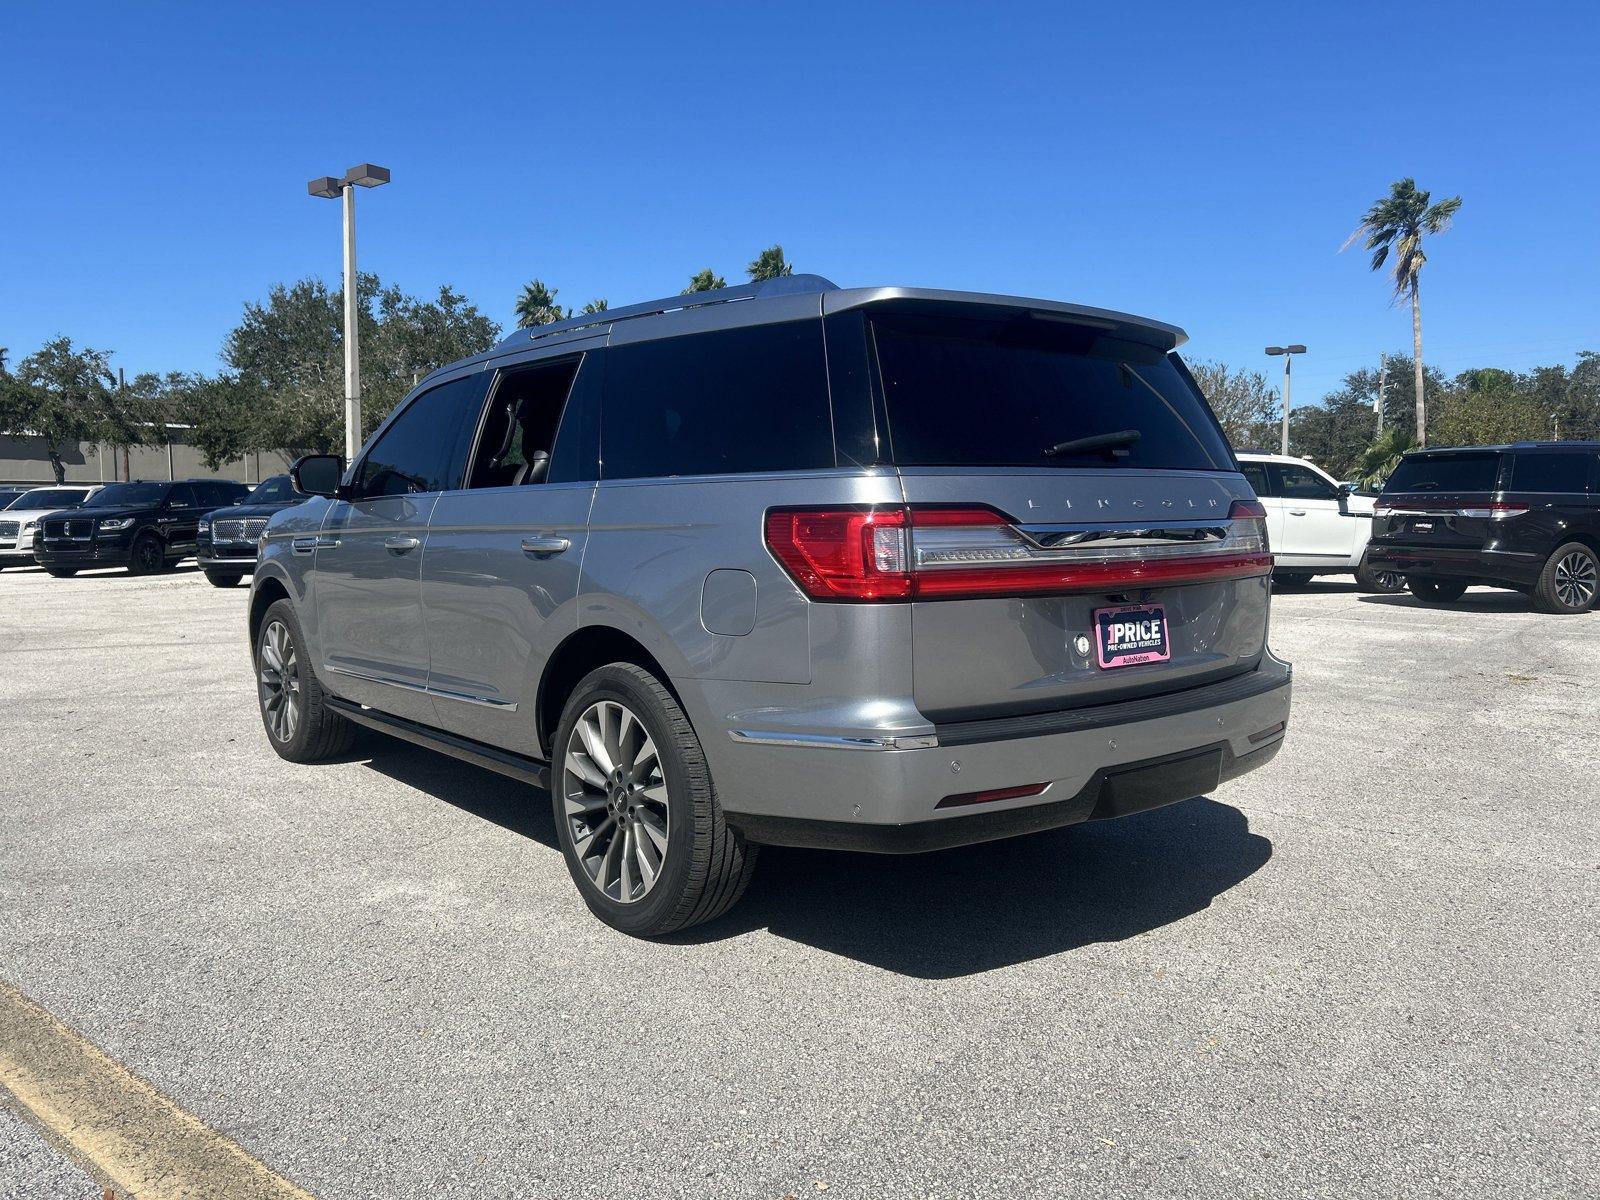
{"x":1203,"y":580}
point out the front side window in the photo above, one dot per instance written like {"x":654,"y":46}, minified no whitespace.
{"x":425,"y":448}
{"x":1028,"y":392}
{"x":1300,"y":483}
{"x":1549,"y":471}
{"x":736,"y":400}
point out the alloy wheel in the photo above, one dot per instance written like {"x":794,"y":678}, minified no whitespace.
{"x":279,"y":674}
{"x":614,"y":795}
{"x":1576,"y":579}
{"x":1390,"y":580}
{"x":150,"y":555}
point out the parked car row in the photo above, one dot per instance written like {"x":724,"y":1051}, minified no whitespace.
{"x":143,"y":526}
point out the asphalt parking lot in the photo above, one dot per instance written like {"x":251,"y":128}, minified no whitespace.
{"x":1369,"y":969}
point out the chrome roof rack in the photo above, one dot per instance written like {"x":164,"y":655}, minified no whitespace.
{"x":784,"y":285}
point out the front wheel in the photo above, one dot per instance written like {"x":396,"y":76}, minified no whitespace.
{"x":294,"y":709}
{"x":1376,"y":579}
{"x":1569,"y":581}
{"x":223,"y":578}
{"x":635,"y":809}
{"x":1291,"y":579}
{"x":1436,"y":591}
{"x":61,"y":572}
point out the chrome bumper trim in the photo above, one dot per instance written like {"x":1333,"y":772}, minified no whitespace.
{"x":828,"y":741}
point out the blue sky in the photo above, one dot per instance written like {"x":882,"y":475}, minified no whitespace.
{"x":1201,"y":163}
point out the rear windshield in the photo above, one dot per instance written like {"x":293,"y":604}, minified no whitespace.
{"x":969,"y":392}
{"x":1445,"y":473}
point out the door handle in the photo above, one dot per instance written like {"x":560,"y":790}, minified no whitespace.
{"x":1297,"y":512}
{"x":401,"y":543}
{"x":546,"y":545}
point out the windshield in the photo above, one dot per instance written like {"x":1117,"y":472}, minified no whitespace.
{"x":270,"y":491}
{"x":962,"y":391}
{"x":145,"y":492}
{"x":1445,"y":473}
{"x":49,"y":498}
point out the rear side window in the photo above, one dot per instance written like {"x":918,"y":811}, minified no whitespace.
{"x":737,"y":400}
{"x":1255,"y":474}
{"x":1300,"y":483}
{"x":425,"y":449}
{"x":971,"y":392}
{"x":1550,"y":472}
{"x":1445,"y":473}
{"x":182,"y":496}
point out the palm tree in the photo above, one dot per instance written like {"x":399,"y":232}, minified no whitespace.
{"x":1396,"y":223}
{"x":705,"y":281}
{"x":769,"y":264}
{"x":537,"y":306}
{"x":596,"y":306}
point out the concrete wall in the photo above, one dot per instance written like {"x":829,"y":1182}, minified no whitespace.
{"x":25,"y":460}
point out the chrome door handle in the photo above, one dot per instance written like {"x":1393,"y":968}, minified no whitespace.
{"x":546,"y":545}
{"x":1297,"y":512}
{"x":303,"y":545}
{"x":402,"y":543}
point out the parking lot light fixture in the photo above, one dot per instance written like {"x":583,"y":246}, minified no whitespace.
{"x":1288,"y":353}
{"x":327,"y":187}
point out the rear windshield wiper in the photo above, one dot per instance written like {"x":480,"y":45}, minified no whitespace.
{"x":1113,"y":444}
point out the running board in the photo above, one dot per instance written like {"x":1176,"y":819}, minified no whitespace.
{"x":528,"y":770}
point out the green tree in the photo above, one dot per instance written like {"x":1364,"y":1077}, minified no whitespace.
{"x":769,"y":264}
{"x":1245,"y":403}
{"x":537,"y":306}
{"x":1378,"y":461}
{"x":1395,"y":225}
{"x":705,"y":281}
{"x":65,"y":394}
{"x":595,"y":306}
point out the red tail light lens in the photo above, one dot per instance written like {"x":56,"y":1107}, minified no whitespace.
{"x":953,"y":553}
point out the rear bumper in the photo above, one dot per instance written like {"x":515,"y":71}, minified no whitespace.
{"x":1092,"y":763}
{"x":1469,"y":563}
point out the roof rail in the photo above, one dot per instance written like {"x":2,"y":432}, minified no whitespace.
{"x":783,"y":285}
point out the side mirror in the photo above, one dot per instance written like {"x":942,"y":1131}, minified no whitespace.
{"x":1347,"y":488}
{"x":317,"y":474}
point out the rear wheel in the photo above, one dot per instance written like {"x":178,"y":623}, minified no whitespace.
{"x":148,"y":556}
{"x":223,"y":578}
{"x":1376,"y":579}
{"x":1436,"y":591}
{"x":635,"y":809}
{"x":1570,"y":580}
{"x":299,"y":723}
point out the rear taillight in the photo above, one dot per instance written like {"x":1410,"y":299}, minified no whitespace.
{"x":1494,"y":510}
{"x":963,"y":552}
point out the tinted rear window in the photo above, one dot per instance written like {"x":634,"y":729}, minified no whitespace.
{"x":967,"y":392}
{"x":1445,"y":473}
{"x":736,"y":400}
{"x":1549,"y":472}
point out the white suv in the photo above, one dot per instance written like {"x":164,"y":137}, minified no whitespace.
{"x":1316,"y":525}
{"x":19,"y":522}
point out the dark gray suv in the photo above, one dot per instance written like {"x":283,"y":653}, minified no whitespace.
{"x":880,"y":569}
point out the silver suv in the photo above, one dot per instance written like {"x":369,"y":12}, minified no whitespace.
{"x":881,"y":569}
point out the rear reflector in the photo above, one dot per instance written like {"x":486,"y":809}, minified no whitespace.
{"x":961,"y":799}
{"x":966,"y":552}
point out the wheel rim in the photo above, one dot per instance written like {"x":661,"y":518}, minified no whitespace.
{"x":1390,"y":580}
{"x":614,"y":794}
{"x":279,"y":674}
{"x":149,"y":555}
{"x":1576,"y":579}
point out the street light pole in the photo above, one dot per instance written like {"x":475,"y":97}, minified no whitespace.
{"x":327,"y":187}
{"x":1288,"y":353}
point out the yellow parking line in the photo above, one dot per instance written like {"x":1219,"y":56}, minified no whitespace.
{"x":138,"y":1139}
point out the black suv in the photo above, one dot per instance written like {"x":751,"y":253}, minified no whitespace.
{"x":145,"y":525}
{"x":1525,"y":516}
{"x":226,"y":542}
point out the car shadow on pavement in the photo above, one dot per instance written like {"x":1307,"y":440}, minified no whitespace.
{"x":965,"y":911}
{"x":1487,"y":602}
{"x":932,"y":916}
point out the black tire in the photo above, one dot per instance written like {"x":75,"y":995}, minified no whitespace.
{"x":317,"y":732}
{"x":223,"y":578}
{"x":1570,"y":581}
{"x":1291,"y":579}
{"x":148,"y":556}
{"x":705,"y":866}
{"x":61,"y":572}
{"x":1436,"y":591}
{"x":1375,"y":579}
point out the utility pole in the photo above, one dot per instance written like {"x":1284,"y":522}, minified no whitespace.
{"x":1383,"y":380}
{"x":122,"y":399}
{"x":1288,"y":353}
